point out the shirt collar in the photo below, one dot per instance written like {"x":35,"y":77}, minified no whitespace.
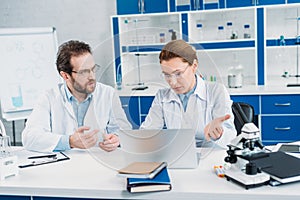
{"x":71,"y":97}
{"x":189,"y":93}
{"x":199,"y":90}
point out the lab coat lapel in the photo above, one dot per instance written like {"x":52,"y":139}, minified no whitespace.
{"x":90,"y":119}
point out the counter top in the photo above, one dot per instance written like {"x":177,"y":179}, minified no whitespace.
{"x":92,"y":174}
{"x":245,"y":90}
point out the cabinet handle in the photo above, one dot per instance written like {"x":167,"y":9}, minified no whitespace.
{"x":253,"y":2}
{"x":282,"y":104}
{"x":282,"y":128}
{"x":143,"y":6}
{"x":139,"y":5}
{"x":125,"y":106}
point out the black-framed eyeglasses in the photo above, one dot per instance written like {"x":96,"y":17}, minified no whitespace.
{"x":176,"y":75}
{"x":87,"y":72}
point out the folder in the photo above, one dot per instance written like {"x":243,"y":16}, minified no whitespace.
{"x":280,"y":166}
{"x":161,"y":182}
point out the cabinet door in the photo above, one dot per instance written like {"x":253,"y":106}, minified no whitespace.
{"x":276,"y":129}
{"x":131,"y":108}
{"x":141,"y":6}
{"x":280,"y":104}
{"x":269,"y":2}
{"x":187,"y":5}
{"x":293,"y":1}
{"x":240,"y":3}
{"x":145,"y":103}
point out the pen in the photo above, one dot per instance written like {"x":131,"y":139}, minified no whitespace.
{"x":43,"y":156}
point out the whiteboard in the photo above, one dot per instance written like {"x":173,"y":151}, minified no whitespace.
{"x":27,"y":66}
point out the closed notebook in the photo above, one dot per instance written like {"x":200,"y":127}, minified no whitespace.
{"x":142,"y":169}
{"x":161,"y":182}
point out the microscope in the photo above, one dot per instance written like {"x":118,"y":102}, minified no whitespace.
{"x":245,"y":148}
{"x":8,"y":161}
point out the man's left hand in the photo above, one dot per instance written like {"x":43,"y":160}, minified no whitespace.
{"x":110,"y":142}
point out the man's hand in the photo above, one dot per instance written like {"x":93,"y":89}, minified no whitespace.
{"x":82,"y":140}
{"x":110,"y":142}
{"x":213,"y":130}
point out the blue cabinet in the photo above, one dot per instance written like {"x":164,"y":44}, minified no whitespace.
{"x":240,"y":3}
{"x":280,"y":116}
{"x":141,"y":6}
{"x":130,"y":105}
{"x":293,"y":1}
{"x":281,"y":129}
{"x":249,"y":99}
{"x":245,"y":3}
{"x":136,"y":108}
{"x":8,"y":197}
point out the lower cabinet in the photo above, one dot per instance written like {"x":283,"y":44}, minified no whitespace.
{"x":280,"y":117}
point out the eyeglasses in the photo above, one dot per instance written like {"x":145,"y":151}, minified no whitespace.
{"x":176,"y":75}
{"x":87,"y":72}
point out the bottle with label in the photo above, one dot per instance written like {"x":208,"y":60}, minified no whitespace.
{"x":281,"y":41}
{"x":173,"y":37}
{"x":200,"y":32}
{"x":247,"y":31}
{"x":235,"y":74}
{"x":162,"y":38}
{"x":220,"y":33}
{"x":229,"y":30}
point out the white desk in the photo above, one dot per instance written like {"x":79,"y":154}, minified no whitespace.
{"x":84,"y":176}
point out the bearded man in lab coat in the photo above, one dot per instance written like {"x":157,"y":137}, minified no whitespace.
{"x":190,"y":102}
{"x":78,"y":113}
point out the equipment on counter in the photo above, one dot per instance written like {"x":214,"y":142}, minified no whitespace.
{"x":243,"y":149}
{"x":8,"y":162}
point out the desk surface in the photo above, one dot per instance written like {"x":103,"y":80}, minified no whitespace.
{"x":85,"y":175}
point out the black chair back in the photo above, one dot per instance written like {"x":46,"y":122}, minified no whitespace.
{"x":243,"y":113}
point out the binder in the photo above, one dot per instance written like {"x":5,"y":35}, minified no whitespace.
{"x":161,"y":182}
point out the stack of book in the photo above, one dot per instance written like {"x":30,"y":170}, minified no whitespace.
{"x":146,"y":177}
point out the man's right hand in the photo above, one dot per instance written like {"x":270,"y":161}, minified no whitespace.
{"x":82,"y":140}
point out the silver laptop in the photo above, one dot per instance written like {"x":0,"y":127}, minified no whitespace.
{"x":175,"y":146}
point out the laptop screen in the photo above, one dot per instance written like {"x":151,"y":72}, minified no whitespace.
{"x":177,"y":147}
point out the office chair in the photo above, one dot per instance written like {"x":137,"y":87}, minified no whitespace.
{"x":243,"y":113}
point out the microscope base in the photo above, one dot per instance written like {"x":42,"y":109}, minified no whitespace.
{"x":247,"y":181}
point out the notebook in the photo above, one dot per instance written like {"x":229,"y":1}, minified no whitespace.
{"x":177,"y":147}
{"x":142,"y":169}
{"x":161,"y":182}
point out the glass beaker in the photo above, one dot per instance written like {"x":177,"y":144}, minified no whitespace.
{"x":16,"y":95}
{"x":5,"y":146}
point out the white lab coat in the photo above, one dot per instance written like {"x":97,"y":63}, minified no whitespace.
{"x":53,"y":116}
{"x":209,"y":101}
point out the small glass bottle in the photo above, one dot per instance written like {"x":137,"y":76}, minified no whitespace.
{"x":220,"y":33}
{"x":162,"y":38}
{"x":247,"y":31}
{"x":229,"y":30}
{"x":200,"y":31}
{"x":281,"y":41}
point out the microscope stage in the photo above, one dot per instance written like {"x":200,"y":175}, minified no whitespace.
{"x":248,"y":181}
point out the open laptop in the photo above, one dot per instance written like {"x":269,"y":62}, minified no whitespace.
{"x":175,"y":146}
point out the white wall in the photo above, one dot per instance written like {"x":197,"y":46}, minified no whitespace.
{"x":86,"y":20}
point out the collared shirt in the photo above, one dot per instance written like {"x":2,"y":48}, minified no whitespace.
{"x":80,"y":110}
{"x":184,"y":98}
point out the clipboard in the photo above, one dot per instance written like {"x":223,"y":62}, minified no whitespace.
{"x":45,"y":159}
